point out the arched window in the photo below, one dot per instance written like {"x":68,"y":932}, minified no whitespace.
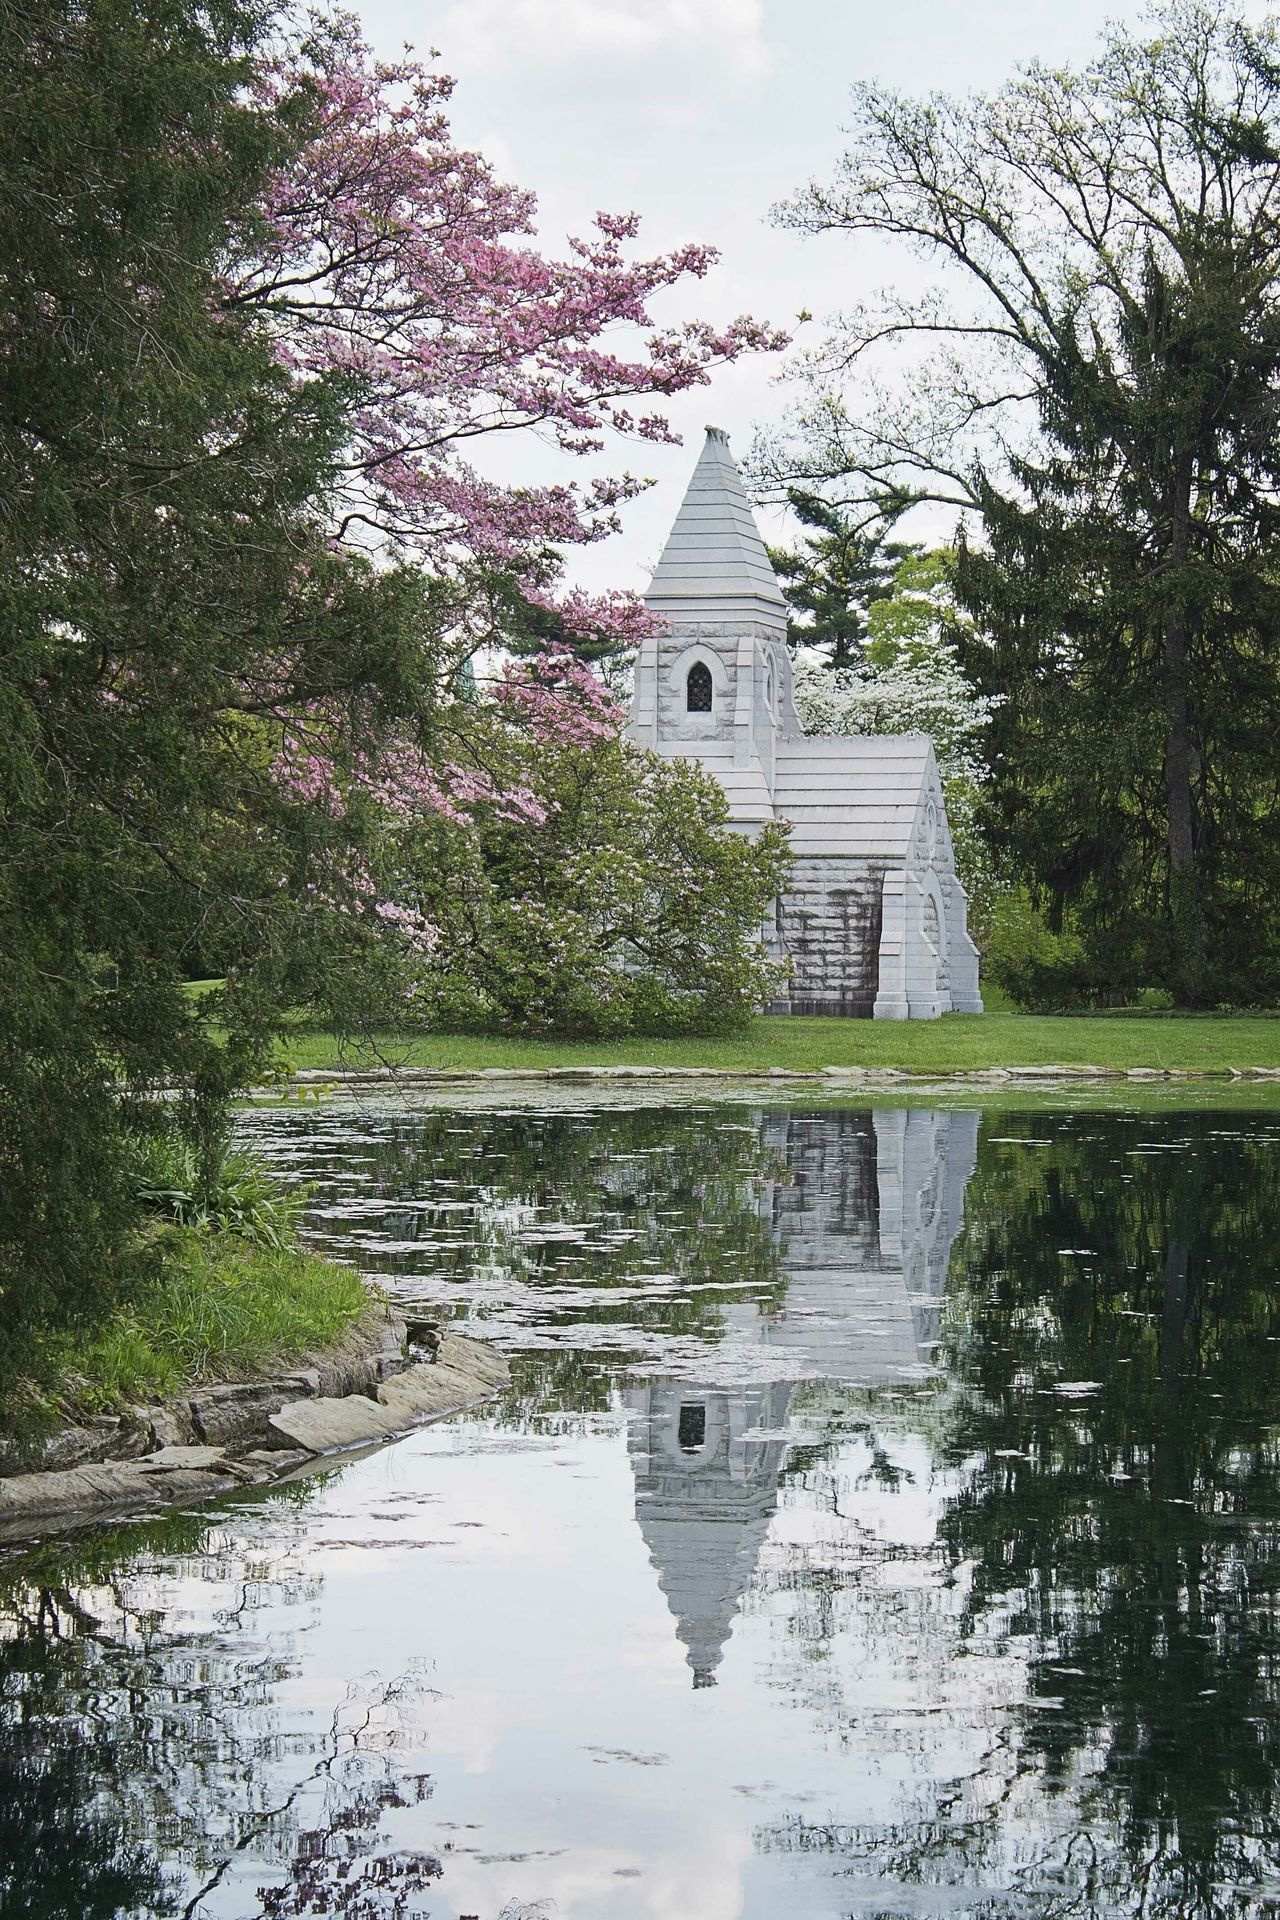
{"x":697,"y":688}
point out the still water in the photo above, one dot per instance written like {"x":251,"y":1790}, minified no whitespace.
{"x":885,"y":1521}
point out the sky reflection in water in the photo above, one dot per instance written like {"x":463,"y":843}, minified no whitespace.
{"x":885,"y":1521}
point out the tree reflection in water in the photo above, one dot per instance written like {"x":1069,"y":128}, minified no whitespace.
{"x":139,"y":1760}
{"x":995,"y":1518}
{"x":1111,"y":1345}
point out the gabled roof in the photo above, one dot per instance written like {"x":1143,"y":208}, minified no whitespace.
{"x":714,"y":565}
{"x":857,"y":795}
{"x":853,"y":794}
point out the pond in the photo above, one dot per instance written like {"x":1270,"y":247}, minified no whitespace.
{"x":884,"y":1520}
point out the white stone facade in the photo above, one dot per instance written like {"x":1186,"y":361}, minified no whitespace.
{"x":874,"y":921}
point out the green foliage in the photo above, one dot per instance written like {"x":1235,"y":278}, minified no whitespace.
{"x":917,"y":619}
{"x":232,"y":1193}
{"x":1039,"y":969}
{"x":1101,"y":393}
{"x":834,"y":580}
{"x":632,"y":908}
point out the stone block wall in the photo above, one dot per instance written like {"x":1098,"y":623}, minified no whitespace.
{"x":827,"y":1211}
{"x":675,"y":722}
{"x":829,"y":926}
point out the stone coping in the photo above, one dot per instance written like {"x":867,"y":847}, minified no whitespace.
{"x":320,"y":1078}
{"x":249,"y":1432}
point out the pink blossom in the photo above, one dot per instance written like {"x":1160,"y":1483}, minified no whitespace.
{"x":394,"y":258}
{"x":557,"y":699}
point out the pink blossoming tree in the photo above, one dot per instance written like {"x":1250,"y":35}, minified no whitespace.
{"x":395,"y":267}
{"x":397,"y":263}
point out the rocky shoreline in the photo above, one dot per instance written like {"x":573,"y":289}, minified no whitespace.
{"x":363,"y":1393}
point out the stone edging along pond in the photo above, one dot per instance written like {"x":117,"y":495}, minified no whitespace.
{"x":319,"y":1079}
{"x":216,"y":1437}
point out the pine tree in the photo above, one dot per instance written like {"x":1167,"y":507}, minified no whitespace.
{"x":832,"y":579}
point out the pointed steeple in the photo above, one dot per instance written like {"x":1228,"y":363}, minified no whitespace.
{"x":705,"y":1494}
{"x":714,"y":566}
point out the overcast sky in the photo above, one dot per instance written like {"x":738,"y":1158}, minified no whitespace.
{"x":699,"y":115}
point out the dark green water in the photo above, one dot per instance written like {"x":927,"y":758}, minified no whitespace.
{"x":885,"y":1522}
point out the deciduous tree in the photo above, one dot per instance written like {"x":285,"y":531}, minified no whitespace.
{"x":1092,"y":380}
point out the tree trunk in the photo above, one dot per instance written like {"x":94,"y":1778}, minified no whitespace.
{"x":1169,"y":1454}
{"x":1185,"y":908}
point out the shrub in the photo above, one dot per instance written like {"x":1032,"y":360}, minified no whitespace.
{"x":1040,"y":970}
{"x":228,"y":1192}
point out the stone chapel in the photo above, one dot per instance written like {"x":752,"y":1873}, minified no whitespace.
{"x":874,"y":921}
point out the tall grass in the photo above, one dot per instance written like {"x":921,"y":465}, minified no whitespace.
{"x":221,"y":1309}
{"x":232,"y":1192}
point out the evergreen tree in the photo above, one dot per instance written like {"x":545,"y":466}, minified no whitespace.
{"x":165,"y":593}
{"x":832,"y":579}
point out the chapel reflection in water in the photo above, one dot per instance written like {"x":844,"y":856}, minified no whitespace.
{"x":865,"y":1211}
{"x":964,"y":1491}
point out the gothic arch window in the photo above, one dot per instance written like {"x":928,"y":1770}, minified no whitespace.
{"x":697,"y":688}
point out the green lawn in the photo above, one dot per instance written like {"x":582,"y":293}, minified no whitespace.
{"x":954,"y":1043}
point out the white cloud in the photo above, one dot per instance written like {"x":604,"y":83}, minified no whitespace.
{"x":572,"y":34}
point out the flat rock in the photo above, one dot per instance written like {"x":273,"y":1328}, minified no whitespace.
{"x":169,"y":1459}
{"x":179,"y":1469}
{"x":89,"y":1491}
{"x":431,"y":1388}
{"x":324,"y":1425}
{"x":464,"y":1373}
{"x":73,"y":1447}
{"x":307,"y":1380}
{"x":471,"y":1356}
{"x":168,"y":1426}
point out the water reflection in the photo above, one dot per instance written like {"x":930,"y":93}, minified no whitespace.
{"x":799,"y":1243}
{"x":865,"y":1222}
{"x":863,"y":1213}
{"x":707,"y":1463}
{"x":153,"y":1747}
{"x":886,"y":1522}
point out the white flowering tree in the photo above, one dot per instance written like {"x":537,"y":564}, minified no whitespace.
{"x":911,"y":682}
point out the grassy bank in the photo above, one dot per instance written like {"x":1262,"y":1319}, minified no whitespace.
{"x":221,"y":1309}
{"x":952,"y":1044}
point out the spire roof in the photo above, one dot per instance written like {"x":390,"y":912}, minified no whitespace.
{"x":714,"y":565}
